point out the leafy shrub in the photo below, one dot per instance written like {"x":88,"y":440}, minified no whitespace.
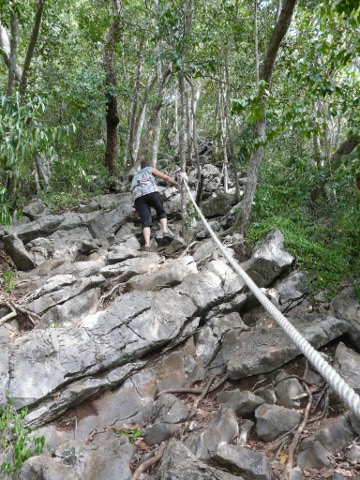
{"x":16,"y":439}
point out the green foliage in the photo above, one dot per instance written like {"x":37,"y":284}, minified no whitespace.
{"x":133,"y":433}
{"x":16,"y":439}
{"x":323,"y":238}
{"x":22,"y":136}
{"x":75,"y":179}
{"x":8,"y":280}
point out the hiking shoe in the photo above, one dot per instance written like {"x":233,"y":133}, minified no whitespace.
{"x":144,"y":248}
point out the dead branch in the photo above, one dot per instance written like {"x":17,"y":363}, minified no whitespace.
{"x":15,"y":309}
{"x":144,"y":466}
{"x":10,"y":315}
{"x":204,"y":393}
{"x":219,"y":383}
{"x":290,"y":461}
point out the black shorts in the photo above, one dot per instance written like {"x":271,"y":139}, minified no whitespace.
{"x":143,"y":206}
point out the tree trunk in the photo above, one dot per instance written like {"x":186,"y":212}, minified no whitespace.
{"x":154,"y":117}
{"x":112,"y":118}
{"x":256,"y":42}
{"x":5,"y":51}
{"x":281,"y":27}
{"x":14,"y":26}
{"x":134,"y":107}
{"x":31,"y":48}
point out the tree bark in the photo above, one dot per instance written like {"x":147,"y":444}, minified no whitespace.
{"x":31,"y":47}
{"x":112,"y":118}
{"x":14,"y":26}
{"x":280,"y":29}
{"x":5,"y":52}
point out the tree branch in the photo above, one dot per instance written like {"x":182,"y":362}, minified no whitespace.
{"x":31,"y":47}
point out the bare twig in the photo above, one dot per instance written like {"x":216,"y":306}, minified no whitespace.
{"x":144,"y":466}
{"x":10,"y":315}
{"x":290,"y":461}
{"x":15,"y":309}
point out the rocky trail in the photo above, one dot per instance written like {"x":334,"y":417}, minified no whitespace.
{"x":161,"y":364}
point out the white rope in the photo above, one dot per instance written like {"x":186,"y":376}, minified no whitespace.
{"x":345,"y":392}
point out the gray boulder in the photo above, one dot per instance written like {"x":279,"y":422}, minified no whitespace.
{"x":223,"y":428}
{"x":178,"y":463}
{"x":243,"y":461}
{"x":108,"y":457}
{"x":269,"y":260}
{"x":344,"y":305}
{"x":272,"y":421}
{"x":16,"y":249}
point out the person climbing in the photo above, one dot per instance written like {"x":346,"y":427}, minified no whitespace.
{"x":145,"y":195}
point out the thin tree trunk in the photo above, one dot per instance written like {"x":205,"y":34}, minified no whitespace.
{"x":256,"y":41}
{"x":139,"y":121}
{"x":146,"y":142}
{"x":138,"y":133}
{"x":182,"y":152}
{"x":279,"y":32}
{"x":134,"y":107}
{"x":31,"y":48}
{"x":223,"y":130}
{"x":229,"y":132}
{"x":14,"y":26}
{"x":194,"y":99}
{"x":5,"y":50}
{"x":112,"y":118}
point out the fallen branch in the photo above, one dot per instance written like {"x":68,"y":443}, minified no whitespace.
{"x":198,"y":400}
{"x":144,"y":466}
{"x":10,"y":315}
{"x":15,"y":309}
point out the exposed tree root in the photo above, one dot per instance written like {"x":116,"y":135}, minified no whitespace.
{"x":15,"y":309}
{"x":290,"y":461}
{"x":144,"y":466}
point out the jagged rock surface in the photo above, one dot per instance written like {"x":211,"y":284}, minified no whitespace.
{"x":120,"y":328}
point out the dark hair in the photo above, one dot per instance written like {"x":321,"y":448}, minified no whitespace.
{"x":144,"y":164}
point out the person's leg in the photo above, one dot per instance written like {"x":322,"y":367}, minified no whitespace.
{"x":143,"y":207}
{"x":156,"y":203}
{"x":163,"y":223}
{"x":146,"y":234}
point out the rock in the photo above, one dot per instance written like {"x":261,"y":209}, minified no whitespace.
{"x":269,"y":260}
{"x":223,"y":428}
{"x":110,"y":221}
{"x":42,"y":227}
{"x":35,"y":208}
{"x":243,"y":461}
{"x":353,"y":455}
{"x":217,"y":204}
{"x":313,"y":455}
{"x":16,"y":249}
{"x":178,"y":463}
{"x":108,"y":456}
{"x":169,"y":409}
{"x":260,"y":351}
{"x":287,"y":390}
{"x":335,"y":434}
{"x":347,"y":364}
{"x":272,"y":421}
{"x":168,"y":275}
{"x":345,"y":306}
{"x":243,"y":403}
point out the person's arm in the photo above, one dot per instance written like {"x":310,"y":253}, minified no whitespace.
{"x":163,"y":176}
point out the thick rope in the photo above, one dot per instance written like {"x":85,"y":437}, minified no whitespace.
{"x":345,"y":392}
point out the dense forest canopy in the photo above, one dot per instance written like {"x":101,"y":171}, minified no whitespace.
{"x":90,"y":87}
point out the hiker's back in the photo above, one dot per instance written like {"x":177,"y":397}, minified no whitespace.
{"x":143,"y":183}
